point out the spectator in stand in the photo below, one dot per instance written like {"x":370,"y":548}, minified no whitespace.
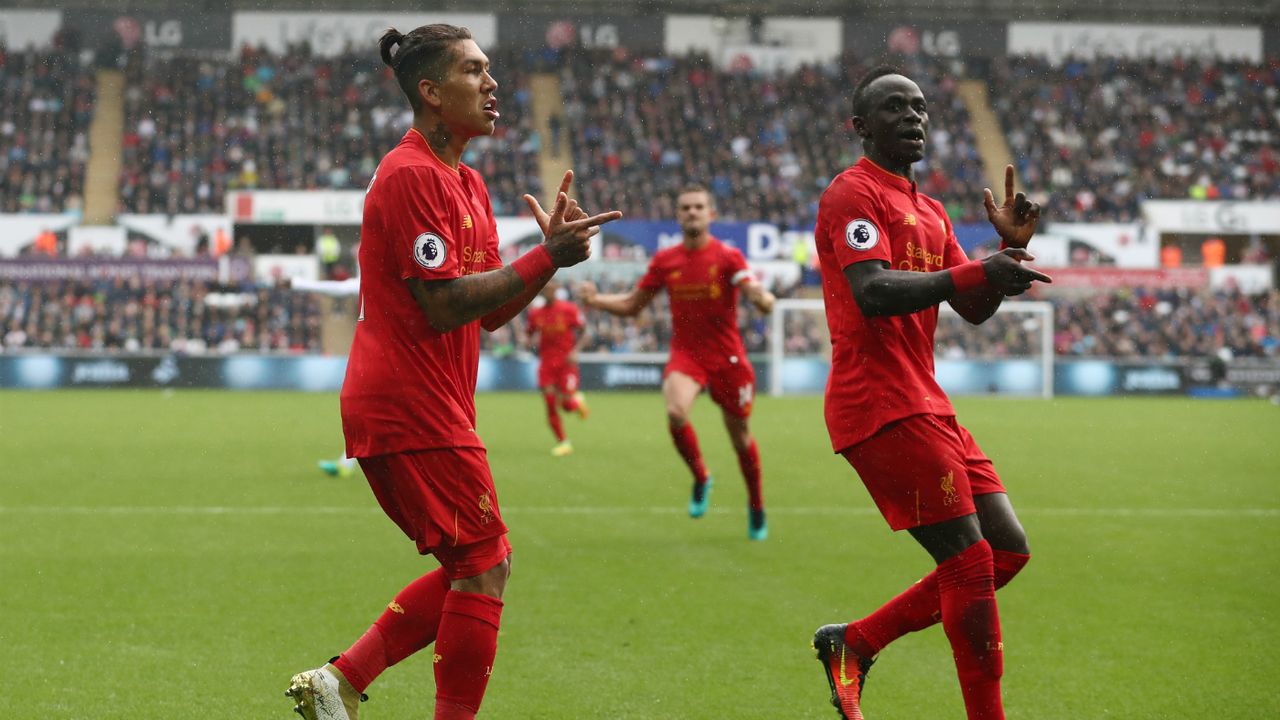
{"x":763,"y":139}
{"x":197,"y":127}
{"x":184,"y":316}
{"x":1191,"y":129}
{"x":47,"y":96}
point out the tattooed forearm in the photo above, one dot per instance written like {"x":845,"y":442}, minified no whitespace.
{"x":450,"y":304}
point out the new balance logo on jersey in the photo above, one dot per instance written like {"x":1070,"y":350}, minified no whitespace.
{"x":909,"y":219}
{"x":466,"y":222}
{"x":429,"y":251}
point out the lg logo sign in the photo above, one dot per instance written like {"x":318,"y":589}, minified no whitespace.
{"x":151,"y":33}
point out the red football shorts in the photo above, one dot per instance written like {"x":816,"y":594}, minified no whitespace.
{"x":563,"y":377}
{"x":922,"y":470}
{"x":732,"y":387}
{"x":444,"y":500}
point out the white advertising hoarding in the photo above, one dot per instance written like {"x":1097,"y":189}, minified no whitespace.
{"x":96,"y":240}
{"x":179,"y":233}
{"x":22,"y":29}
{"x":781,"y":42}
{"x":1212,"y":217}
{"x":333,"y":33}
{"x":19,"y":231}
{"x":1124,"y":245}
{"x":1058,"y":41}
{"x":296,"y":207}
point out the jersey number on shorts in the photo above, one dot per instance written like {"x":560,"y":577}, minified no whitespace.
{"x":744,"y":395}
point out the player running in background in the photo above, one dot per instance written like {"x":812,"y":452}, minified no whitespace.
{"x":702,"y":277}
{"x":888,"y":258}
{"x":342,"y":466}
{"x":558,"y":323}
{"x":431,"y":277}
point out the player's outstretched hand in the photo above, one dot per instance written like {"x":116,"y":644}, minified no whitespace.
{"x":587,"y":291}
{"x":1007,"y":274}
{"x":1017,"y":218}
{"x":567,"y":228}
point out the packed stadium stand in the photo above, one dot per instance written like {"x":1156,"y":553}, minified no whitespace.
{"x":186,"y":317}
{"x":1093,"y":139}
{"x":197,"y":127}
{"x":1098,"y":137}
{"x":47,"y":96}
{"x":766,"y":144}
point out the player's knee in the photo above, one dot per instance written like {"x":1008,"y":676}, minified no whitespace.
{"x":677,"y":417}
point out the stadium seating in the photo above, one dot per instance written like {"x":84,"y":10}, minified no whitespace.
{"x":1096,"y":138}
{"x":198,"y":127}
{"x":185,"y":317}
{"x":766,"y":144}
{"x":47,"y":96}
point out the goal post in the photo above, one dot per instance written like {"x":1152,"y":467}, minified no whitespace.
{"x":1010,"y":354}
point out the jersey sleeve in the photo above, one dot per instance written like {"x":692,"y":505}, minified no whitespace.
{"x":653,"y":277}
{"x":856,"y":224}
{"x":417,"y":224}
{"x":576,"y":318}
{"x":736,"y":267}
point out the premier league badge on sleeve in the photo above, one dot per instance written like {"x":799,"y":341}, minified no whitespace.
{"x":861,"y":235}
{"x":428,"y":250}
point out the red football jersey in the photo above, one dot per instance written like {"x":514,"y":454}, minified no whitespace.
{"x":556,"y":323}
{"x":881,"y":367}
{"x":408,"y":386}
{"x":702,"y":286}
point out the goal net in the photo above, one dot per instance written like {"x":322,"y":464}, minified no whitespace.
{"x":1009,"y":354}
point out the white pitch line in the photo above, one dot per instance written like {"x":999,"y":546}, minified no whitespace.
{"x":612,"y":510}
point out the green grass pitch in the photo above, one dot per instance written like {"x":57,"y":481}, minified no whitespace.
{"x":167,"y":555}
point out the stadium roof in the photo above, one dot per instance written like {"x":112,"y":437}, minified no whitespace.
{"x":1252,"y":12}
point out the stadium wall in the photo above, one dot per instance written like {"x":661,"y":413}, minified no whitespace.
{"x":314,"y":373}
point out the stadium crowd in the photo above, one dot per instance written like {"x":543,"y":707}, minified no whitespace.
{"x":47,"y":98}
{"x":1092,"y":138}
{"x":183,"y":316}
{"x":766,"y":143}
{"x":1097,"y":138}
{"x":198,"y":127}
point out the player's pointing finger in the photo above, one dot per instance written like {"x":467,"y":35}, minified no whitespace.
{"x":1008,"y":184}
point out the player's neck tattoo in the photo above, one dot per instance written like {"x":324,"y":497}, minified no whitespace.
{"x":439,"y":138}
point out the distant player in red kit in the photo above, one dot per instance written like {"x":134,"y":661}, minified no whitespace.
{"x":702,"y":277}
{"x":558,"y":323}
{"x":889,"y":257}
{"x":430,"y":279}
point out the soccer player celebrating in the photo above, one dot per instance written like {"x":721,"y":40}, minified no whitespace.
{"x":558,"y":324}
{"x":430,"y":279}
{"x":702,"y":277}
{"x":888,"y":258}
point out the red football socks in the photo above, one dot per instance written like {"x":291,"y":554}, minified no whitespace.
{"x":407,"y":625}
{"x":918,"y":608}
{"x":687,"y":445}
{"x":464,"y":653}
{"x":749,"y":461}
{"x":553,"y":417}
{"x":966,"y":589}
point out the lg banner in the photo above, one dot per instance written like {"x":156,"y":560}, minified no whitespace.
{"x":332,"y":34}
